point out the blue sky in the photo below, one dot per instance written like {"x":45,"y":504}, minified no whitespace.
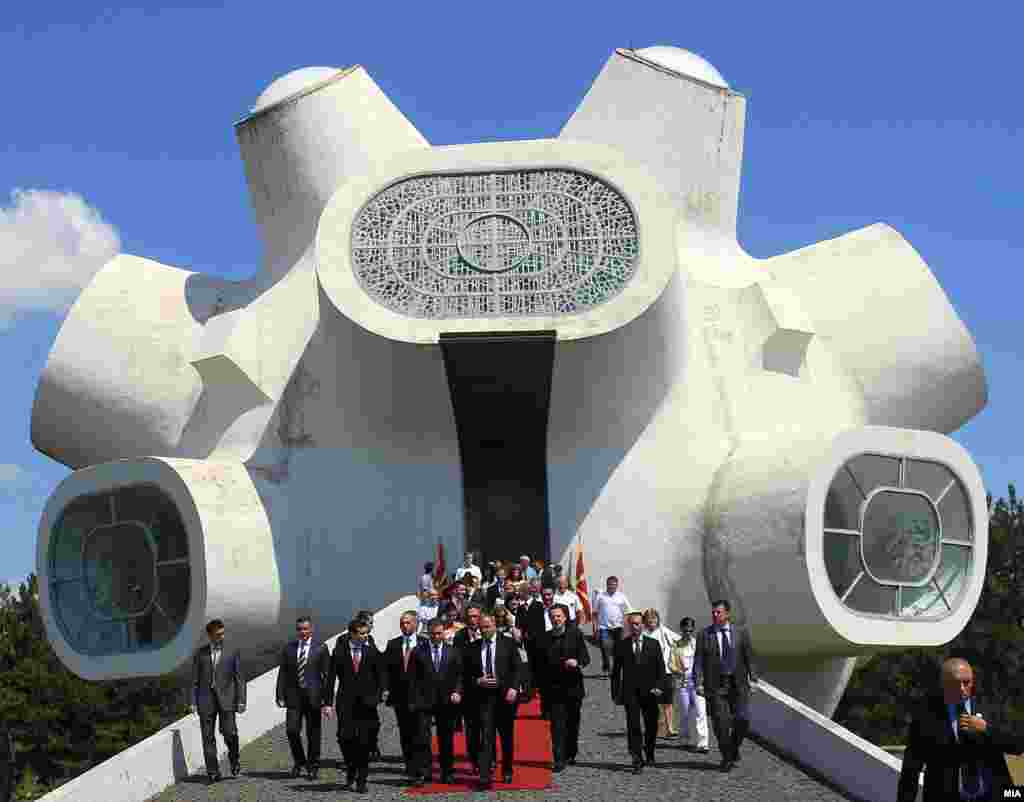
{"x":117,"y":129}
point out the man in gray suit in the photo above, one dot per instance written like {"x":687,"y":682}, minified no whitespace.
{"x":218,"y":691}
{"x":724,"y":673}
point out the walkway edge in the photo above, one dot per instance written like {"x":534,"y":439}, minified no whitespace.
{"x":173,"y":753}
{"x":808,"y":739}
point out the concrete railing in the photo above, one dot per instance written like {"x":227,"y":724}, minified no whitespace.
{"x":801,"y":734}
{"x":176,"y":751}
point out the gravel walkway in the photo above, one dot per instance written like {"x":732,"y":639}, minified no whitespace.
{"x":601,"y":775}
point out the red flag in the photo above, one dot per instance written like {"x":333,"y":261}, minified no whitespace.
{"x":582,"y":591}
{"x":440,"y":571}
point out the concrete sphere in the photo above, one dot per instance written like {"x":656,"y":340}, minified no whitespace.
{"x":679,"y":60}
{"x":292,"y":83}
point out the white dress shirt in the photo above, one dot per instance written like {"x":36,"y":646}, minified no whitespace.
{"x":666,"y":637}
{"x":570,"y":600}
{"x":472,"y":569}
{"x":494,"y":655}
{"x":610,"y":610}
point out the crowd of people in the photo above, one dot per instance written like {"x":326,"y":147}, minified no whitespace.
{"x":480,"y":644}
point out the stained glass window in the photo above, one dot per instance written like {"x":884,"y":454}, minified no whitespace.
{"x":516,"y":243}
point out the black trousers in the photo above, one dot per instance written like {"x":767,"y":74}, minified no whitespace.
{"x":443,"y":718}
{"x":728,"y":707}
{"x":228,"y":729}
{"x":565,"y":727}
{"x":293,"y":726}
{"x":407,"y":725}
{"x":470,"y":713}
{"x":356,"y":735}
{"x":641,"y":724}
{"x":497,"y":720}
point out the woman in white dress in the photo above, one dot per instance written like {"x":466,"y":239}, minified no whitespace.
{"x":692,"y":707}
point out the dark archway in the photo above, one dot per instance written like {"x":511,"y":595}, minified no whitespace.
{"x":500,"y":387}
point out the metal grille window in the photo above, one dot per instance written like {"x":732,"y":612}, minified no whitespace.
{"x":898,"y":539}
{"x":119,"y":571}
{"x":517,"y":243}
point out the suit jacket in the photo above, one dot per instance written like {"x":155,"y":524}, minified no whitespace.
{"x":931,"y":745}
{"x":461,"y":639}
{"x":507,"y":666}
{"x":318,"y":673}
{"x":493,"y":594}
{"x":634,"y":675}
{"x":535,"y":622}
{"x":707,"y":659}
{"x":397,"y":676}
{"x":363,"y":687}
{"x":555,"y":650}
{"x":227,"y":686}
{"x":430,"y":689}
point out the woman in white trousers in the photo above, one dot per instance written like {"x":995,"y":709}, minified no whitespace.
{"x":691,"y":706}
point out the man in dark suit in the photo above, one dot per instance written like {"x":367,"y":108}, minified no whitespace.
{"x":724,"y":672}
{"x":564,"y":655}
{"x":491,"y":678}
{"x":470,"y":714}
{"x":538,"y":624}
{"x":302,"y":681}
{"x":435,"y":697}
{"x":638,"y":671}
{"x":497,"y":589}
{"x":359,"y":670}
{"x":964,"y":756}
{"x":218,"y":691}
{"x":398,"y":672}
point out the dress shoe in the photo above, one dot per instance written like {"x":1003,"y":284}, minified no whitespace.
{"x":572,"y":761}
{"x":418,"y":782}
{"x":347,"y":785}
{"x":296,"y":772}
{"x":650,"y":761}
{"x":703,"y":750}
{"x":214,"y":778}
{"x":638,"y":767}
{"x":236,"y":769}
{"x":726,"y":764}
{"x":314,"y":773}
{"x":361,"y":787}
{"x":735,"y":757}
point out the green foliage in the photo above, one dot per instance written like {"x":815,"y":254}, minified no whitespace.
{"x":63,"y":725}
{"x":884,"y":689}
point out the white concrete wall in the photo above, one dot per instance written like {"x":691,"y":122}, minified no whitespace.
{"x":864,"y":771}
{"x":176,"y":751}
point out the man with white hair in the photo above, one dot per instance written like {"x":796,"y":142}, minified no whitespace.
{"x":529,"y":572}
{"x":962,"y":754}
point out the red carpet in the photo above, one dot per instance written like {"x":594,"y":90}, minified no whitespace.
{"x":532,"y":768}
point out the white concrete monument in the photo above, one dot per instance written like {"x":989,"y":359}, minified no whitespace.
{"x":510,"y":347}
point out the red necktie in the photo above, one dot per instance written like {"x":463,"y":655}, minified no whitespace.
{"x":357,"y":658}
{"x":405,"y":657}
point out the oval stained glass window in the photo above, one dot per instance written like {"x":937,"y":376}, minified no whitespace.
{"x":513,"y":243}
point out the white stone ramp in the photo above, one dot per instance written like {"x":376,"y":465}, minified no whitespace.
{"x":176,"y":751}
{"x":801,"y":734}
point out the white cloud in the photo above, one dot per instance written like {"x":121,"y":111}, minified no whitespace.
{"x":51,"y":244}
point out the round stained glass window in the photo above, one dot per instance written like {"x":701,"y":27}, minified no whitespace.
{"x":119,"y":575}
{"x":897,"y":536}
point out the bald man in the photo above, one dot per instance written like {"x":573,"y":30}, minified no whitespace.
{"x":963,"y":755}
